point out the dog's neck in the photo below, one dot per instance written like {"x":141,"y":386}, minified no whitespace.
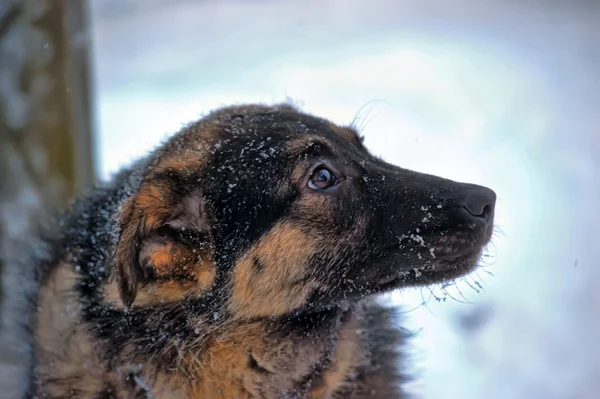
{"x":287,"y":354}
{"x":291,"y":355}
{"x":288,"y":357}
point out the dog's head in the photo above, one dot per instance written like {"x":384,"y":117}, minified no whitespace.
{"x":276,"y":211}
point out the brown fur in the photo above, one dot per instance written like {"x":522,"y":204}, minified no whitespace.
{"x":64,"y":347}
{"x":271,"y":291}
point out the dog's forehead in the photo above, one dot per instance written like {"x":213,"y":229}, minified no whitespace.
{"x":282,"y":123}
{"x":240,"y":131}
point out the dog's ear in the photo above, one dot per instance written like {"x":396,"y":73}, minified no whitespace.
{"x":164,"y":233}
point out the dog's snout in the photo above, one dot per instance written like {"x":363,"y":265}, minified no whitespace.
{"x":478,"y":201}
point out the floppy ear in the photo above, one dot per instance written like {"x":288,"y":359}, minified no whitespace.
{"x":163,"y":234}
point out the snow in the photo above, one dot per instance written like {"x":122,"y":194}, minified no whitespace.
{"x":418,"y":239}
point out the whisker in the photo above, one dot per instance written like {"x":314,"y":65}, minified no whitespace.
{"x":425,"y":302}
{"x":361,"y":115}
{"x":498,"y":230}
{"x":444,"y":289}
{"x":413,"y":309}
{"x":461,"y":294}
{"x":437,"y":298}
{"x":486,"y":271}
{"x":471,"y":285}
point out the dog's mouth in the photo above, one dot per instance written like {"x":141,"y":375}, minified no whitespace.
{"x":450,"y":258}
{"x":431,"y":272}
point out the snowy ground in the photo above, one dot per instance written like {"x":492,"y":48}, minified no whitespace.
{"x":501,"y":93}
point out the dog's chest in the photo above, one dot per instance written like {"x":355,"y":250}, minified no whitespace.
{"x":248,"y":363}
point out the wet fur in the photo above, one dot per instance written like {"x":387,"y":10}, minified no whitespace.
{"x":204,"y":272}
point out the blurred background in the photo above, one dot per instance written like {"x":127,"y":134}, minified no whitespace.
{"x":502,"y":93}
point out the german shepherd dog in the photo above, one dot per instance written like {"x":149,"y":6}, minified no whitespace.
{"x":240,"y":260}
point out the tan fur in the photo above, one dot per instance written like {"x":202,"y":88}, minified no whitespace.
{"x":157,"y":293}
{"x":196,"y":272}
{"x":226,"y":372}
{"x":347,"y":359}
{"x":67,"y":363}
{"x":183,"y":161}
{"x":153,"y":206}
{"x":272,"y":291}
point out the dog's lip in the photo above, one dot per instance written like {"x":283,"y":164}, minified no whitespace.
{"x":444,"y":248}
{"x":436,"y":253}
{"x":434,"y":260}
{"x":439,"y":265}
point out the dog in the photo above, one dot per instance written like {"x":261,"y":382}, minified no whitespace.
{"x":241,"y":259}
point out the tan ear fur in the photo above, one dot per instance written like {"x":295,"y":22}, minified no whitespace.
{"x":144,"y":250}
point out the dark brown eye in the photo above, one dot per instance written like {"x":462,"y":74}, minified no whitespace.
{"x":321,"y":179}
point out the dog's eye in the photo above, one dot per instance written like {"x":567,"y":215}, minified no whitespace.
{"x":321,"y":179}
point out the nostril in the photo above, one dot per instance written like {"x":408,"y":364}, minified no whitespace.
{"x":479,"y":201}
{"x":487,"y":211}
{"x":484,"y":211}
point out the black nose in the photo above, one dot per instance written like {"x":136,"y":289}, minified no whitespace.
{"x":478,"y":201}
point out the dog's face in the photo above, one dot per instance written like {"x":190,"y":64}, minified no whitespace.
{"x":275,"y":211}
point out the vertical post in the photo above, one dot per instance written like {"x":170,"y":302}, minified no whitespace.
{"x":45,"y":152}
{"x":45,"y":95}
